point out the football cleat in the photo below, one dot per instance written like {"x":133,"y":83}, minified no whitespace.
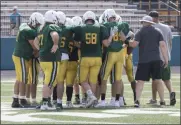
{"x":121,"y":102}
{"x":172,"y":98}
{"x":152,"y":102}
{"x":137,"y":104}
{"x":15,"y":103}
{"x":59,"y":106}
{"x":117,"y":104}
{"x":90,"y":101}
{"x":23,"y":103}
{"x":101,"y":104}
{"x":45,"y":106}
{"x":69,"y":104}
{"x":77,"y":101}
{"x":112,"y":102}
{"x":162,"y":104}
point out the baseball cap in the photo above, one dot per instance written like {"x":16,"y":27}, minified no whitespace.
{"x":147,"y":19}
{"x":15,"y":8}
{"x":154,"y":14}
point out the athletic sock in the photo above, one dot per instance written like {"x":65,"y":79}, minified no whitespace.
{"x":89,"y":93}
{"x":69,"y":92}
{"x":103,"y":96}
{"x":55,"y":93}
{"x":117,"y":97}
{"x":59,"y":101}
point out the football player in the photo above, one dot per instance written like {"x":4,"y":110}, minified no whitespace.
{"x":22,"y":54}
{"x":61,"y":18}
{"x":114,"y":57}
{"x":91,"y":38}
{"x":77,"y":21}
{"x":48,"y":41}
{"x":64,"y":44}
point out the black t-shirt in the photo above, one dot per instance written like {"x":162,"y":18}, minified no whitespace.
{"x":148,"y":38}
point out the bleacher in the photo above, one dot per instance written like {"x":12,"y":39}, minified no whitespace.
{"x":129,"y":13}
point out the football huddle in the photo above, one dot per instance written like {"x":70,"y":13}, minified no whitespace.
{"x":82,"y":54}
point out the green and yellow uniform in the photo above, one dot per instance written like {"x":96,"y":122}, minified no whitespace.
{"x":114,"y":58}
{"x":91,"y":37}
{"x":64,"y":49}
{"x":23,"y":51}
{"x":48,"y":60}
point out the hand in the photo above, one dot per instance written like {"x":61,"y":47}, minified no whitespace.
{"x":113,"y":30}
{"x":54,"y":48}
{"x":122,"y":36}
{"x":124,"y":45}
{"x":165,"y":63}
{"x":130,"y":34}
{"x":36,"y":54}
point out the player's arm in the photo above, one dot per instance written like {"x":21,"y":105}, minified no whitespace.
{"x":170,"y":38}
{"x":164,"y":52}
{"x":130,"y":42}
{"x":36,"y":43}
{"x":105,"y":34}
{"x":55,"y":38}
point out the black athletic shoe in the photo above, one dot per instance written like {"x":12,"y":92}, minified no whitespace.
{"x":59,"y":107}
{"x":172,"y":98}
{"x":15,"y":103}
{"x":137,"y":104}
{"x":24,"y":104}
{"x":77,"y":101}
{"x":162,"y":104}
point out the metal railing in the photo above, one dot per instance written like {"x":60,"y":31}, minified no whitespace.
{"x":133,"y":20}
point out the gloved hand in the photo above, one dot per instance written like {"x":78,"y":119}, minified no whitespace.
{"x":113,"y":30}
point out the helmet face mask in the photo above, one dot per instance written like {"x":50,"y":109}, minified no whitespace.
{"x":111,"y":15}
{"x":36,"y":19}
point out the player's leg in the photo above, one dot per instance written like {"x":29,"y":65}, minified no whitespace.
{"x":93,"y":75}
{"x":113,"y":88}
{"x":98,"y":87}
{"x":129,"y":73}
{"x":50,"y":70}
{"x":105,"y":72}
{"x":85,"y":65}
{"x":24,"y":77}
{"x":15,"y":103}
{"x":76,"y":91}
{"x":33,"y":86}
{"x":70,"y":78}
{"x":60,"y":83}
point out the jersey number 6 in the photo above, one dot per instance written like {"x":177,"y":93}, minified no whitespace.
{"x":91,"y":38}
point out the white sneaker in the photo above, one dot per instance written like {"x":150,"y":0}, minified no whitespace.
{"x":117,"y":104}
{"x":111,"y":103}
{"x":69,"y":104}
{"x":90,"y":101}
{"x":121,"y":102}
{"x":46,"y":106}
{"x":101,"y":104}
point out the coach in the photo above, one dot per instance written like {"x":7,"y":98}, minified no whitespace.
{"x":149,"y":39}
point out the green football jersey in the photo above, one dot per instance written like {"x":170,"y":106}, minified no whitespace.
{"x":116,"y":44}
{"x":46,"y":43}
{"x":91,"y":37}
{"x":67,"y":36}
{"x":23,"y":48}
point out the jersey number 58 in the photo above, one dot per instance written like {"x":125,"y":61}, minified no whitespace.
{"x":91,"y":38}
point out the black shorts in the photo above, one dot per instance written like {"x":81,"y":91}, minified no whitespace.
{"x":145,"y":70}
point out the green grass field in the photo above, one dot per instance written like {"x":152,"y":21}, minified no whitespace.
{"x":146,"y":114}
